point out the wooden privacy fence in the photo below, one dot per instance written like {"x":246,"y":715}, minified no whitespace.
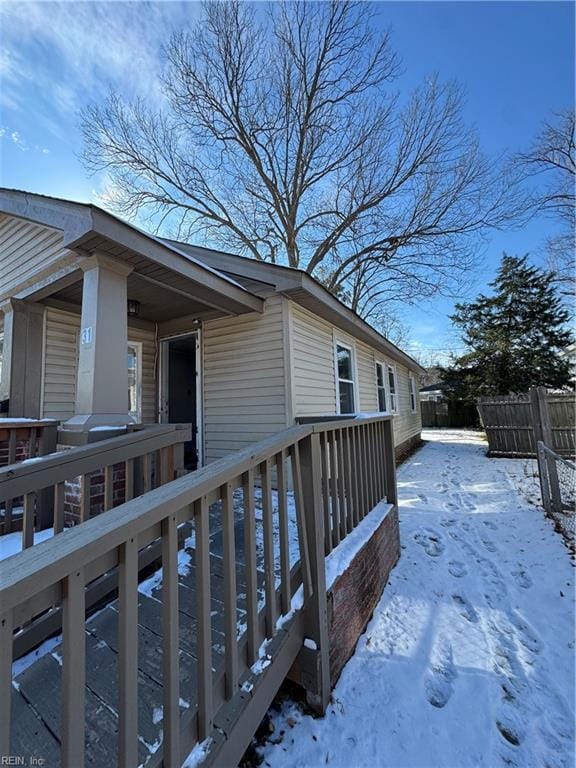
{"x":339,"y":471}
{"x":513,"y":423}
{"x":146,"y":456}
{"x":448,"y":413}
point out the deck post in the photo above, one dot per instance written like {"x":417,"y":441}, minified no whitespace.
{"x":313,"y":665}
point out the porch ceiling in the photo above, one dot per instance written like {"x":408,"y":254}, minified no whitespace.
{"x":157,"y":302}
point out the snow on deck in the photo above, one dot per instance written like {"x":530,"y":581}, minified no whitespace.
{"x":469,"y":657}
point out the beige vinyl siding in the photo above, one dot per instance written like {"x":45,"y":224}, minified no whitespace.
{"x":243,"y":379}
{"x":61,"y":335}
{"x":314,"y":377}
{"x":61,"y":331}
{"x":25,"y":250}
{"x":314,"y":383}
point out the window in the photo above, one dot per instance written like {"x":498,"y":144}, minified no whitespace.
{"x":381,"y":386}
{"x":135,"y":380}
{"x":344,"y":372}
{"x":412,"y":393}
{"x":392,"y":388}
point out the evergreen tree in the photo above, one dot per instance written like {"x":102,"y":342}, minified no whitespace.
{"x":514,"y":337}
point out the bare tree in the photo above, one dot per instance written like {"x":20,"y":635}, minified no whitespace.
{"x":552,"y":160}
{"x":280,"y":137}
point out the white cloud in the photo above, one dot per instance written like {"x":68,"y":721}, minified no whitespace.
{"x":16,"y":138}
{"x":68,"y":53}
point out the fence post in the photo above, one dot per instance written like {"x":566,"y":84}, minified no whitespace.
{"x":314,"y":664}
{"x":543,"y":434}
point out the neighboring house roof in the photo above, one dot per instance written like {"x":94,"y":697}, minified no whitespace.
{"x":432,"y":388}
{"x":241,"y":279}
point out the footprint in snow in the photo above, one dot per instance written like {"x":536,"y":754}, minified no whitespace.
{"x":490,"y":524}
{"x":431,"y":541}
{"x":466,"y":609}
{"x":448,"y":522}
{"x":489,"y":544}
{"x":522,"y":578}
{"x":457,"y":569}
{"x":510,"y":726}
{"x":439,"y":683}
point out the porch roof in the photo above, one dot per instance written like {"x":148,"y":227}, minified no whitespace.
{"x":304,"y":290}
{"x":163,"y":275}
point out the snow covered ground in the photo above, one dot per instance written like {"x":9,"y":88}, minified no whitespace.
{"x":469,"y":657}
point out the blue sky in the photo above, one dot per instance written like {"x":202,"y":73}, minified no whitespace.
{"x":514,"y":59}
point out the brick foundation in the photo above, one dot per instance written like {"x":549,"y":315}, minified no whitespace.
{"x":72,"y":494}
{"x":354,"y":595}
{"x":407,"y":448}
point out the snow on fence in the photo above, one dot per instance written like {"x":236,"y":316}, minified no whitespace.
{"x":558,"y":486}
{"x":514,"y":423}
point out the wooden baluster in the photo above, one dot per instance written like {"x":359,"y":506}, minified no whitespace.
{"x":373,"y":465}
{"x":84,"y":497}
{"x":163,"y":465}
{"x":342,"y":502}
{"x":59,"y":492}
{"x":268,"y":534}
{"x":32,"y":448}
{"x":128,"y":654}
{"x":170,"y":644}
{"x":129,"y":480}
{"x":170,"y":464}
{"x":301,"y":521}
{"x":230,"y":600}
{"x":355,"y":476}
{"x":204,"y":618}
{"x":285,"y":592}
{"x":362,"y":474}
{"x":381,"y":461}
{"x":8,"y":506}
{"x":6,"y":644}
{"x":253,"y":634}
{"x":73,"y":670}
{"x":147,"y":472}
{"x":347,"y":479}
{"x":325,"y":494}
{"x":28,"y":520}
{"x":108,"y":488}
{"x":334,"y":489}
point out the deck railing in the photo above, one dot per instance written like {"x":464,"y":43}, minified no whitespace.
{"x":146,"y":456}
{"x":22,"y":439}
{"x":337,"y":470}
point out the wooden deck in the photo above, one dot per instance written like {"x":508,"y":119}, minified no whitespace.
{"x":36,"y":696}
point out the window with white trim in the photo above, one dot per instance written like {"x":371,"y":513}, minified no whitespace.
{"x":135,"y":380}
{"x":412,"y":392}
{"x":392,"y":388}
{"x":381,"y":386}
{"x":345,"y":376}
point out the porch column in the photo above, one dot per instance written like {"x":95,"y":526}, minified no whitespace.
{"x":102,"y":385}
{"x":21,"y":379}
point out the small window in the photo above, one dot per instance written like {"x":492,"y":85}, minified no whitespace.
{"x":381,"y":386}
{"x":392,"y":388}
{"x":412,"y":393}
{"x":344,"y":363}
{"x":135,"y":380}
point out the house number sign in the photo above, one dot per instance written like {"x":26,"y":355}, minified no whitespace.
{"x":86,"y":336}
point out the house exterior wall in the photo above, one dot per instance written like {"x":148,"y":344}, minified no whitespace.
{"x":60,"y":366}
{"x":26,"y":249}
{"x":244,"y":379}
{"x":314,"y":384}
